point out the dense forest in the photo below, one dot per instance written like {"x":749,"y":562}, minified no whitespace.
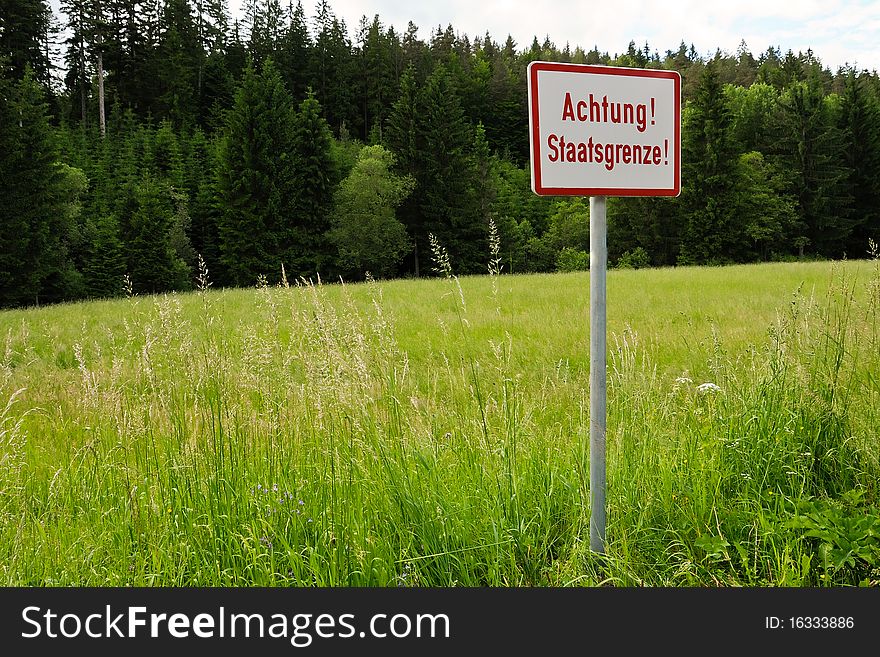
{"x":143,"y":144}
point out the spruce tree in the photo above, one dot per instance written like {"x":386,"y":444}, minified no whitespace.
{"x":709,"y":165}
{"x":294,"y":53}
{"x":308,"y":246}
{"x":76,"y":58}
{"x":811,"y":148}
{"x":447,"y":169}
{"x":23,"y":28}
{"x":376,"y":77}
{"x":30,"y":192}
{"x":180,"y":57}
{"x":201,"y":192}
{"x":255,"y":179}
{"x":153,"y":264}
{"x":216,"y":94}
{"x":860,"y":129}
{"x":333,"y":69}
{"x":404,"y":139}
{"x":105,"y":264}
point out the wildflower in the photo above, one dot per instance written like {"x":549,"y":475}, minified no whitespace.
{"x":682,"y":380}
{"x":403,"y":577}
{"x":703,"y":388}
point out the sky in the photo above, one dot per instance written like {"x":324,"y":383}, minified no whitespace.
{"x":840,"y":32}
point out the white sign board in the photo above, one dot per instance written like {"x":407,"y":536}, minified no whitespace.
{"x":604,"y":131}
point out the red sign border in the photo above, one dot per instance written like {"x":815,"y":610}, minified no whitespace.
{"x":535,"y":123}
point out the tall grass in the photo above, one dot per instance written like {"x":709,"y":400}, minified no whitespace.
{"x":433,"y":433}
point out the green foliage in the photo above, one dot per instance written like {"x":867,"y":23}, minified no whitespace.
{"x":846,"y":533}
{"x":444,"y":173}
{"x":768,"y":212}
{"x":65,"y":280}
{"x":182,"y":57}
{"x":754,"y":114}
{"x":366,"y":232}
{"x":293,"y":54}
{"x":434,"y":143}
{"x":811,"y":148}
{"x":256,"y":175}
{"x":34,"y":196}
{"x":709,"y":160}
{"x":304,"y":232}
{"x":780,"y":154}
{"x":569,"y":259}
{"x":152,"y":240}
{"x":859,"y":122}
{"x":635,"y":259}
{"x":105,"y":263}
{"x":650,"y":223}
{"x":569,"y":225}
{"x":23,"y":30}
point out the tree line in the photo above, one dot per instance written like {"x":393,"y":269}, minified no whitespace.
{"x":175,"y":138}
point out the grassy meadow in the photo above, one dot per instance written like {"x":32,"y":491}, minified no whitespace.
{"x":435,"y":433}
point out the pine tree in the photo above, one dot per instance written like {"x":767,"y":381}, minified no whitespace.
{"x":860,"y":129}
{"x":98,"y":29}
{"x":294,"y":52}
{"x":255,"y":179}
{"x":709,"y":161}
{"x":333,"y":69}
{"x":236,"y":53}
{"x":484,"y":184}
{"x":30,"y":192}
{"x":810,"y":147}
{"x":23,"y":28}
{"x":76,"y":58}
{"x":217,"y":92}
{"x":180,"y":58}
{"x":377,"y":82}
{"x":263,"y":21}
{"x":405,"y":141}
{"x":446,"y":171}
{"x":162,"y":158}
{"x":203,"y":202}
{"x":310,"y":250}
{"x":153,"y":264}
{"x":104,"y":266}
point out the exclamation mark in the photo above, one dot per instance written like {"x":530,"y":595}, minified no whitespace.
{"x":652,"y":111}
{"x":665,"y":149}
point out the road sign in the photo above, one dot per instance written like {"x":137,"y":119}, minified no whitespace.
{"x":604,"y":130}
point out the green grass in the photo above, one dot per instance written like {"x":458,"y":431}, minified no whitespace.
{"x":411,"y":433}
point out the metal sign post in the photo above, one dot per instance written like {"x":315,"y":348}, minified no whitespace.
{"x":598,"y":265}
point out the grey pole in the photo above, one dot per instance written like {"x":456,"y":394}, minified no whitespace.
{"x":598,"y":265}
